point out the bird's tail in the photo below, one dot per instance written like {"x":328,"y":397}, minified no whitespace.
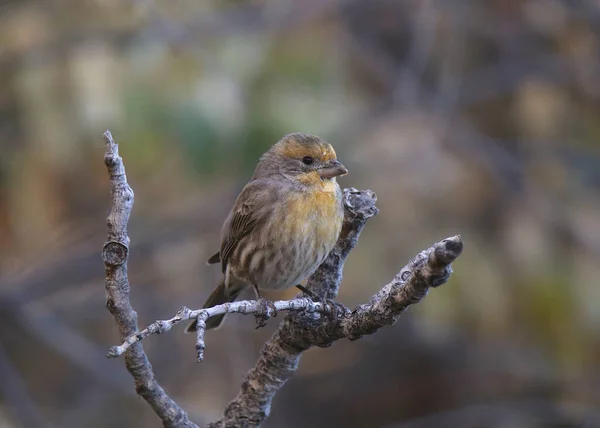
{"x":218,"y":296}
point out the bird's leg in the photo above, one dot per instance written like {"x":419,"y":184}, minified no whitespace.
{"x":266,"y":309}
{"x":307,"y":292}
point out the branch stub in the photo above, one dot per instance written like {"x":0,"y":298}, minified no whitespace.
{"x":114,"y":253}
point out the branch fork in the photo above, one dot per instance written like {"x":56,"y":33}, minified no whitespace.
{"x":300,"y":330}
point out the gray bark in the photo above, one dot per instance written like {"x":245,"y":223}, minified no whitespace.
{"x":307,"y":324}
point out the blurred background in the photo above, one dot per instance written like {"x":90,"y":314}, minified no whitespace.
{"x":464,"y":116}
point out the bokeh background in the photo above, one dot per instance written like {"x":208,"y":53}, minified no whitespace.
{"x":464,"y":116}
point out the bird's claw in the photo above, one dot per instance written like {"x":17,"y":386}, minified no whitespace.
{"x":333,"y":309}
{"x":266,"y":310}
{"x":329,"y":308}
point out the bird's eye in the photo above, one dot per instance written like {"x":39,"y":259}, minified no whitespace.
{"x":307,"y":160}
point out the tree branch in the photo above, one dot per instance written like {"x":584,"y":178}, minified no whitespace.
{"x":307,"y":324}
{"x":298,"y":332}
{"x":245,"y":307}
{"x":115,"y":254}
{"x":384,"y":308}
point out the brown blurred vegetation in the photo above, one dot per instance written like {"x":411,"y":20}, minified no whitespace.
{"x":464,"y":116}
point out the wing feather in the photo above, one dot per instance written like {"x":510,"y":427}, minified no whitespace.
{"x":248,"y":212}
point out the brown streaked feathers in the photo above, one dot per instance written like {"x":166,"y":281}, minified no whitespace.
{"x":283,"y":223}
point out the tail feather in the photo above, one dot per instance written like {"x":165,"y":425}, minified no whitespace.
{"x":218,"y":296}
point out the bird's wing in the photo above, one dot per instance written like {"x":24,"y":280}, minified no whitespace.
{"x":248,"y":212}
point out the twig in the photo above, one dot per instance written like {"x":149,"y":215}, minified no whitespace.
{"x":307,"y":324}
{"x":245,"y":307}
{"x":279,"y":357}
{"x":115,"y":254}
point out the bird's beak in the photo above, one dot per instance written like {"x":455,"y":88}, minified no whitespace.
{"x":333,"y":169}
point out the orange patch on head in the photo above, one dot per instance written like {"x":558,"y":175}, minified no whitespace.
{"x":296,"y":146}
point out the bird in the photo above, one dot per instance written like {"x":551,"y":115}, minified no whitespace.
{"x":283,"y":224}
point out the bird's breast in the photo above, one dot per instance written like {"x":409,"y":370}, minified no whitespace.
{"x":302,"y":231}
{"x":314,"y":214}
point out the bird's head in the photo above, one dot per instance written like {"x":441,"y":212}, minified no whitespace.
{"x":306,"y":158}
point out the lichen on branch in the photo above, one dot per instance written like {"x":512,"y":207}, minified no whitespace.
{"x":308,"y":323}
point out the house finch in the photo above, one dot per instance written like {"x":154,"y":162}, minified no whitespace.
{"x":284,"y":223}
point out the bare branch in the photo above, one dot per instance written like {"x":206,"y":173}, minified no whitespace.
{"x":298,"y":332}
{"x":307,"y":324}
{"x":115,"y":254}
{"x":429,"y":268}
{"x":245,"y":307}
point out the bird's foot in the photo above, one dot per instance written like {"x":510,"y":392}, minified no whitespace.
{"x":334,"y":310}
{"x":331,"y":308}
{"x":266,"y":311}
